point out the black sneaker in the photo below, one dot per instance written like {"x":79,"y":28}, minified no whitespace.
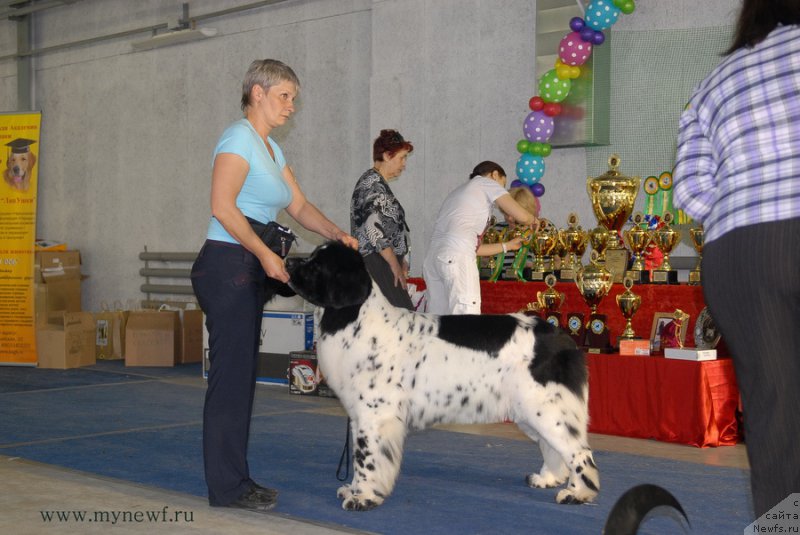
{"x":264,"y":491}
{"x":254,"y":501}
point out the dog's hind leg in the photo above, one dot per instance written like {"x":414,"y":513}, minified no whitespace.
{"x":378,"y":452}
{"x":565,"y":448}
{"x":554,"y":471}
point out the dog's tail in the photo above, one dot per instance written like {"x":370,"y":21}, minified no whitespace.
{"x":558,"y":359}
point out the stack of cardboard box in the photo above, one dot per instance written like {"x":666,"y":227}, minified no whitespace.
{"x":64,"y":334}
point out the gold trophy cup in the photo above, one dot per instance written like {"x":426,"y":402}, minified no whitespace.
{"x":666,"y":238}
{"x":543,"y":242}
{"x":550,"y":301}
{"x":628,"y":303}
{"x":637,"y":239}
{"x":574,"y":239}
{"x":612,"y":196}
{"x":594,"y":282}
{"x":698,"y":236}
{"x":599,"y":238}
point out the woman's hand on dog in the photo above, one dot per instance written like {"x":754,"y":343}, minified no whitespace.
{"x":274,"y":267}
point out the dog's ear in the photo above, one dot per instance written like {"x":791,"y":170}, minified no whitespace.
{"x":348,"y":281}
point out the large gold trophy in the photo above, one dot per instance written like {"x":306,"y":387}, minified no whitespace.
{"x":612,"y":196}
{"x":594,"y":282}
{"x":637,"y":238}
{"x":698,"y":237}
{"x":666,"y":238}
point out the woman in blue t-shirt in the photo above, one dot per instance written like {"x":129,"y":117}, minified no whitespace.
{"x":250,"y":179}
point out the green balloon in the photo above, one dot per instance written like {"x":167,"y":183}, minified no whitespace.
{"x":552,"y":88}
{"x":535,"y":149}
{"x":546,"y":149}
{"x":523,"y":146}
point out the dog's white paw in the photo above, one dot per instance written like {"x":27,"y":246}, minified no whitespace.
{"x":360,"y":502}
{"x":344,"y":492}
{"x":570,"y":497}
{"x":544,"y":481}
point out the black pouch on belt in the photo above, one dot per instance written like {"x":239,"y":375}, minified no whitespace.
{"x":277,"y":237}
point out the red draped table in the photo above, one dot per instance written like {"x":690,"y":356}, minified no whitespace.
{"x":652,"y":397}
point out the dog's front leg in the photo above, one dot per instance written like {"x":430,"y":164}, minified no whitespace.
{"x":378,"y":451}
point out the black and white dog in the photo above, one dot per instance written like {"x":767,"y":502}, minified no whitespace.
{"x":395,"y":370}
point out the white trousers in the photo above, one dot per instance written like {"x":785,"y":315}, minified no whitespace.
{"x":452,"y":283}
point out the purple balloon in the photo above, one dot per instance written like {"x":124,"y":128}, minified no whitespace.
{"x":587,"y":34}
{"x":598,"y":38}
{"x":517,"y":184}
{"x":538,"y":127}
{"x":576,"y":24}
{"x":537,"y":189}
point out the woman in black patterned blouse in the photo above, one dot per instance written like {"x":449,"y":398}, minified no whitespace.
{"x":378,"y":220}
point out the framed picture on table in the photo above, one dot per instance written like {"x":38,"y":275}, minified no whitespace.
{"x":660,"y":320}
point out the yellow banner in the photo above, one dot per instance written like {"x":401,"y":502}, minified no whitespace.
{"x":19,"y":148}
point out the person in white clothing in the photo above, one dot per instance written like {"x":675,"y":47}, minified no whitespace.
{"x":450,"y":271}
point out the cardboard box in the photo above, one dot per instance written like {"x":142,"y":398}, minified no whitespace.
{"x":634,"y":347}
{"x":303,"y":372}
{"x":281,"y":333}
{"x":152,"y":338}
{"x":690,"y":353}
{"x":191,"y":349}
{"x":69,"y":345}
{"x":57,"y":285}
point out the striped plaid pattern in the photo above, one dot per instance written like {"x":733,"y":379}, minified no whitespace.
{"x":738,"y":161}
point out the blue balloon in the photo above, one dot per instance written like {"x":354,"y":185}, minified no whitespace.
{"x":530,"y":169}
{"x":601,"y":14}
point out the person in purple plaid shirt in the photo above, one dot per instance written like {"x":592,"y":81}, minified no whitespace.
{"x":738,"y":172}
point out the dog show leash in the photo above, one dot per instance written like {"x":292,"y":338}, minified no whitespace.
{"x":345,"y":459}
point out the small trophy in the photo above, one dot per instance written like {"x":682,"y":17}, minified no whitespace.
{"x":576,"y":328}
{"x":487,"y":265}
{"x":638,"y":237}
{"x":594,"y":282}
{"x":698,"y":236}
{"x":542,"y":243}
{"x":550,"y":301}
{"x":628,"y":303}
{"x":666,"y":238}
{"x":599,"y":238}
{"x":575,"y":240}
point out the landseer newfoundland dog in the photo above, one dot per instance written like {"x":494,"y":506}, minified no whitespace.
{"x":395,"y":370}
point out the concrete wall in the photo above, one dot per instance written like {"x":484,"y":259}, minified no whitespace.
{"x":127,"y":136}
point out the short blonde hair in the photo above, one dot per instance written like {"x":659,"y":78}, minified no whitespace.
{"x":266,"y":73}
{"x":526,"y":199}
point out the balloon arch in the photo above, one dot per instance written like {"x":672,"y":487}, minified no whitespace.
{"x":574,"y":50}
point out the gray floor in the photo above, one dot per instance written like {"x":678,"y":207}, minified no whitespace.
{"x":30,"y":490}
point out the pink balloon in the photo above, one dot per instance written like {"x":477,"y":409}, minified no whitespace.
{"x":573,"y":50}
{"x":538,"y":127}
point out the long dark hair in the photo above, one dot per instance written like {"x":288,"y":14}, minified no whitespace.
{"x":759,"y":17}
{"x":486,"y":168}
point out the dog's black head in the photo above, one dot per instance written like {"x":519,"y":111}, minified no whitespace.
{"x":334,"y":276}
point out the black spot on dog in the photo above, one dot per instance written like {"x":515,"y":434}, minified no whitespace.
{"x":335,"y":319}
{"x":589,"y":483}
{"x":557,"y":359}
{"x":487,"y":333}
